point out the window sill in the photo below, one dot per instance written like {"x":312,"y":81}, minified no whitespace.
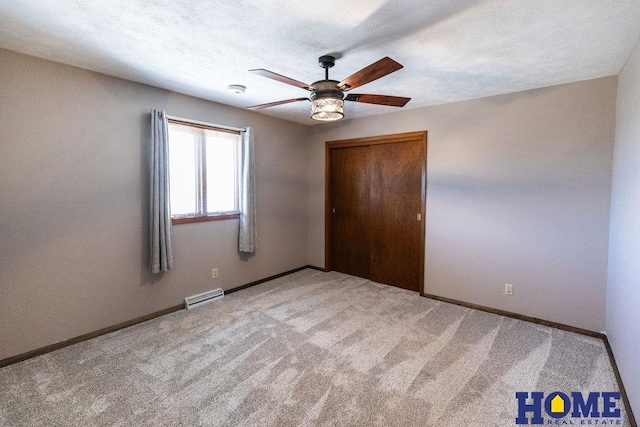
{"x":202,"y":218}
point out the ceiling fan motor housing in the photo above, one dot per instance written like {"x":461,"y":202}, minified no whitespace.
{"x":326,"y":89}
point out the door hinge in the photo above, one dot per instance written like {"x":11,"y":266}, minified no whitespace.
{"x":419,"y":217}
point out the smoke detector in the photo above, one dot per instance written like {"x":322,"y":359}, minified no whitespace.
{"x":236,"y":88}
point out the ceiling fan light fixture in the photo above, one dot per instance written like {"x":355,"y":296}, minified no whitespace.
{"x":327,"y":109}
{"x":327,"y":102}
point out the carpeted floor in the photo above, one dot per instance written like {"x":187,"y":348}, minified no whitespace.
{"x":310,"y":348}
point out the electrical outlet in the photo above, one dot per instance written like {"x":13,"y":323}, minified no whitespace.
{"x":508,"y":289}
{"x":214,"y":273}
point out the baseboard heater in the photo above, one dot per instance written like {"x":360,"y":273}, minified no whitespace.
{"x":203,"y":298}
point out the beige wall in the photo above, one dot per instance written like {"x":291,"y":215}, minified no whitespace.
{"x":623,"y":298}
{"x":518,"y":191}
{"x":73,"y":209}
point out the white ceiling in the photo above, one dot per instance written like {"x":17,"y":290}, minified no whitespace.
{"x":451,"y":50}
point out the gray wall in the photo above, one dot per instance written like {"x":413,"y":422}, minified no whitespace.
{"x":623,"y":297}
{"x":74,"y":209}
{"x":518,"y":191}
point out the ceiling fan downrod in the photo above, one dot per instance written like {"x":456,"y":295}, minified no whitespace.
{"x":326,"y":62}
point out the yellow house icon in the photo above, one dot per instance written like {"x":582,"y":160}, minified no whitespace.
{"x":557,"y":404}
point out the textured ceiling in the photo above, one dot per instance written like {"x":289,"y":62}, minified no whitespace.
{"x":451,"y":50}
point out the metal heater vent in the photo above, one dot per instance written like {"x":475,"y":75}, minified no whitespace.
{"x":203,"y":298}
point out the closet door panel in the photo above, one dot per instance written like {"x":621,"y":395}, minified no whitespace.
{"x":350,"y":194}
{"x":396,"y":213}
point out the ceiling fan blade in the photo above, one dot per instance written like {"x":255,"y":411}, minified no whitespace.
{"x":368,"y":74}
{"x":273,"y":104}
{"x":282,"y":79}
{"x":394,"y":101}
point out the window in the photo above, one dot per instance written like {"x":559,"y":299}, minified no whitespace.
{"x":203,"y":172}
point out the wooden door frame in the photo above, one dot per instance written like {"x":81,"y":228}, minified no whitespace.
{"x":373,"y":140}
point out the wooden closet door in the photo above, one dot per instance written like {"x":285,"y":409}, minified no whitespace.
{"x":350,"y":198}
{"x":396,"y":213}
{"x":375,"y":207}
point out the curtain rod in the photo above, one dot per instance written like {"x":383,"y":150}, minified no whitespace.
{"x":196,"y":122}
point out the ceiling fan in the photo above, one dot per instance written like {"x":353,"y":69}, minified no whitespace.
{"x":327,"y":96}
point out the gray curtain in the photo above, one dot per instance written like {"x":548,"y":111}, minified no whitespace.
{"x":247,"y":235}
{"x":161,"y":256}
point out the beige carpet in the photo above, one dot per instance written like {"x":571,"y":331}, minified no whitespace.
{"x":310,"y":348}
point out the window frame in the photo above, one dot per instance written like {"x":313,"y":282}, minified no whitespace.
{"x":201,"y":182}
